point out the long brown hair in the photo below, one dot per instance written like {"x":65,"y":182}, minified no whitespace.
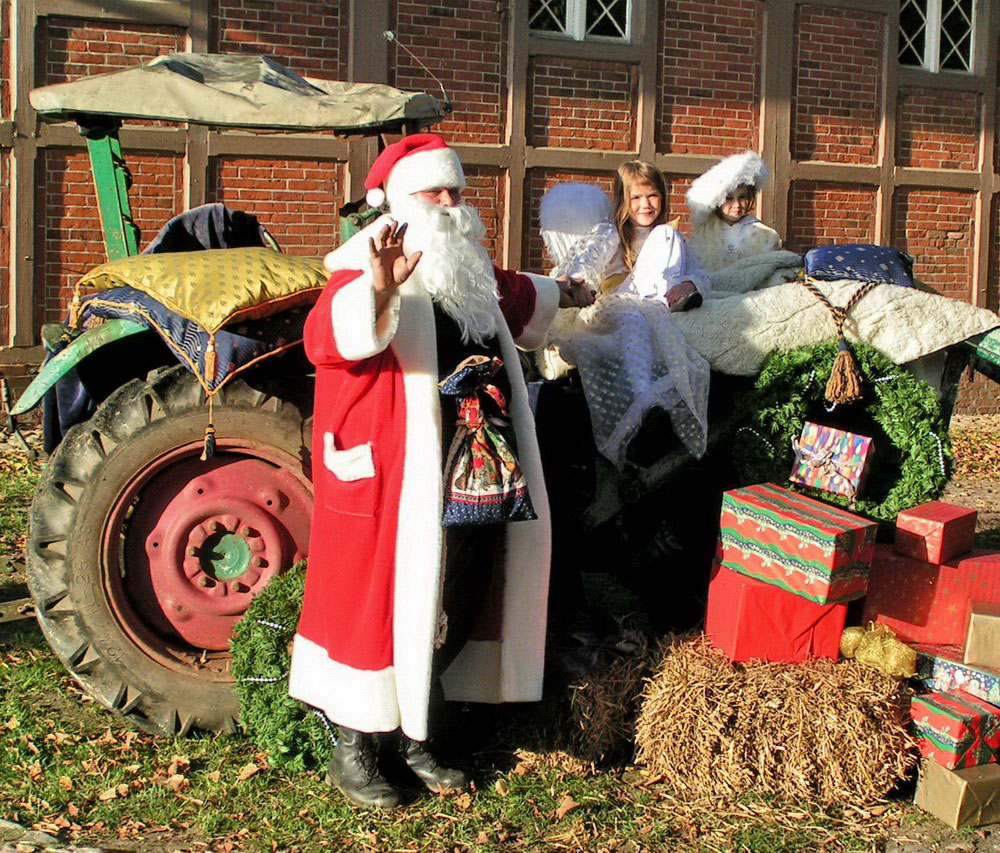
{"x":629,"y":174}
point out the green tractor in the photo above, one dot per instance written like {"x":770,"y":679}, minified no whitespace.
{"x":142,"y":554}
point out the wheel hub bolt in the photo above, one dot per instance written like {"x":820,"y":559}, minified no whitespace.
{"x":192,"y":551}
{"x":245,"y":531}
{"x":214,"y":527}
{"x":258,"y":562}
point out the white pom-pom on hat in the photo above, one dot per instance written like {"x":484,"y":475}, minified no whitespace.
{"x":375,"y":197}
{"x":709,"y":191}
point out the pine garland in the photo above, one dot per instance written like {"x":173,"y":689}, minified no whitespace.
{"x":296,"y":737}
{"x":911,"y":458}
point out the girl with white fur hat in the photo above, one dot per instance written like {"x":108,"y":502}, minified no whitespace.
{"x":723,"y":229}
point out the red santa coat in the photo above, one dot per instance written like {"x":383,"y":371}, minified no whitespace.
{"x":364,"y":645}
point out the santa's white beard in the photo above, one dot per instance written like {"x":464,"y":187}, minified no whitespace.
{"x":454,"y":267}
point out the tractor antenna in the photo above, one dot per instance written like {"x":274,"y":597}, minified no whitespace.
{"x":391,"y":37}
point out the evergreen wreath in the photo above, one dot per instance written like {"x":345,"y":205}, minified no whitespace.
{"x":911,"y":457}
{"x":295,"y":736}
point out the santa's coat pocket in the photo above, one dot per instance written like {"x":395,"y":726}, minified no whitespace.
{"x":351,"y":482}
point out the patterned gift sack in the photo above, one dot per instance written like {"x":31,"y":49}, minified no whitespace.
{"x":484,"y":483}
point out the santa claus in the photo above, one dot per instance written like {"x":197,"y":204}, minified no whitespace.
{"x":396,"y":604}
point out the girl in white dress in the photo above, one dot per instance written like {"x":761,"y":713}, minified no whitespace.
{"x":630,"y":353}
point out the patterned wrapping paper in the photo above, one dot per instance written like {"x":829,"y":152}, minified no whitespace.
{"x":802,"y":545}
{"x":955,"y":729}
{"x":926,"y":603}
{"x":935,"y":531}
{"x":942,"y":669}
{"x":830,"y":459}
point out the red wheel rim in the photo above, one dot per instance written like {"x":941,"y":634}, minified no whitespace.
{"x":188,"y":544}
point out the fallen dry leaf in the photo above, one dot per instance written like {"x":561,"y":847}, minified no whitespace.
{"x":501,"y":787}
{"x":11,"y":724}
{"x":566,"y":805}
{"x":72,"y":810}
{"x":110,"y":794}
{"x":66,"y":783}
{"x":178,"y":764}
{"x":247,"y":771}
{"x":214,"y":776}
{"x":34,"y":770}
{"x":463,"y":801}
{"x":177,"y":783}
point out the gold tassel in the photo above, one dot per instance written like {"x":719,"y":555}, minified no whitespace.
{"x":845,"y":379}
{"x":210,"y":360}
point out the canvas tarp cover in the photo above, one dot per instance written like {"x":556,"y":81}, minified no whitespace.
{"x":235,"y":91}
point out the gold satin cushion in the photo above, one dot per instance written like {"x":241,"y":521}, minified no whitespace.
{"x":214,"y":286}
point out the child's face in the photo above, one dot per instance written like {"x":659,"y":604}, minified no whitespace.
{"x":737,"y":205}
{"x":644,"y":204}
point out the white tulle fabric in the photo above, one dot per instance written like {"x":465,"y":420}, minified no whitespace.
{"x":591,"y":258}
{"x":633,"y":357}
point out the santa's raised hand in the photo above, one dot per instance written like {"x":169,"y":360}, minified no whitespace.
{"x":390,"y":266}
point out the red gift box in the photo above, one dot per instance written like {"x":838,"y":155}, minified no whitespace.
{"x":935,"y":531}
{"x":956,"y":729}
{"x":752,"y":620}
{"x":926,"y":603}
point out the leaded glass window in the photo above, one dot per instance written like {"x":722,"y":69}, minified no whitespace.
{"x":937,"y":34}
{"x":582,"y":19}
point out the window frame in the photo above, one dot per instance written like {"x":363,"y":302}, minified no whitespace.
{"x":932,"y":41}
{"x":576,"y":25}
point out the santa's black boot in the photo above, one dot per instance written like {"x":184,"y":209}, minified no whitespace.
{"x":440,"y":779}
{"x":354,"y":770}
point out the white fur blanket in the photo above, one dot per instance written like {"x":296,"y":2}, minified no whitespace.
{"x":756,"y":272}
{"x":736,"y":333}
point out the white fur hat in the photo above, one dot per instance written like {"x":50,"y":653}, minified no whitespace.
{"x":710,"y":189}
{"x":569,"y":211}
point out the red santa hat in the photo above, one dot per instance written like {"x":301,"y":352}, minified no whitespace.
{"x":421,"y":161}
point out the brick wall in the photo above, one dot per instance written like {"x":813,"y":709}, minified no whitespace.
{"x":935,"y":227}
{"x":69,"y":48}
{"x":938,"y":130}
{"x":68,"y":229}
{"x":837,"y":86}
{"x":463,"y":42}
{"x":709,"y":74}
{"x":485,"y":192}
{"x":309,"y":36}
{"x":829,"y":213}
{"x":5,"y":93}
{"x":574,"y":103}
{"x":296,"y":200}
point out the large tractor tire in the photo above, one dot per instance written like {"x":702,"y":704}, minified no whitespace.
{"x":142,"y":557}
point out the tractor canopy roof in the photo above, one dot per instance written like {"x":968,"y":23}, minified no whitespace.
{"x":231,"y":90}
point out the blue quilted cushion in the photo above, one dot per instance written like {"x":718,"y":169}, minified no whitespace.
{"x":861,"y":262}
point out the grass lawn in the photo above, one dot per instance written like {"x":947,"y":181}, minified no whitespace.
{"x":71,"y":768}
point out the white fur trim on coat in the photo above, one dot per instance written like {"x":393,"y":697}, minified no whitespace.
{"x":359,"y":334}
{"x":349,"y":464}
{"x":546,"y":305}
{"x":710,"y":189}
{"x":357,"y":694}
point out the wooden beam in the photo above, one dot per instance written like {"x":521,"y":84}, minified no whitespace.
{"x":888,"y":95}
{"x":603,"y":51}
{"x":6,"y":133}
{"x":777,"y":57}
{"x":168,"y":12}
{"x":516,"y":175}
{"x":135,"y":138}
{"x":196,"y":162}
{"x":646,"y":34}
{"x":983,"y":226}
{"x":948,"y":179}
{"x":285,"y":145}
{"x":952,"y":80}
{"x":498,"y":156}
{"x":576,"y":159}
{"x":21,"y":199}
{"x":835,"y":173}
{"x":368,"y":51}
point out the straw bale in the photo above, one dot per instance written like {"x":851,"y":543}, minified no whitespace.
{"x":819,"y":731}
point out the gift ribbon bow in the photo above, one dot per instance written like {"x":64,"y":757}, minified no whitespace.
{"x":824,"y":463}
{"x":469,"y":406}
